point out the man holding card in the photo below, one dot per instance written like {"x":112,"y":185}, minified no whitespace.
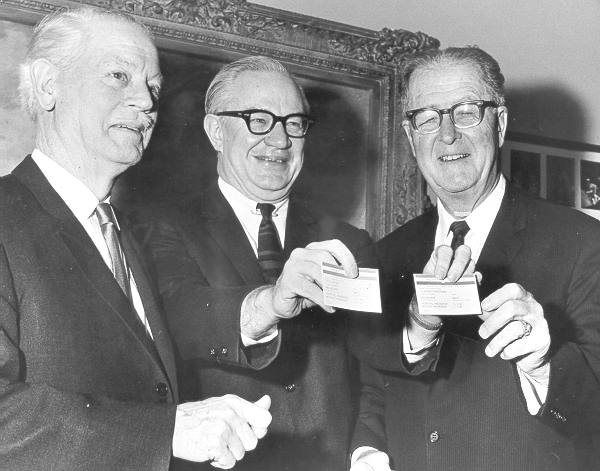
{"x":520,"y":390}
{"x":226,"y":283}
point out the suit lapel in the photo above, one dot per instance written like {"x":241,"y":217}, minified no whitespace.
{"x":162,"y":342}
{"x":229,"y":234}
{"x":502,"y":244}
{"x":299,"y":231}
{"x":85,"y":254}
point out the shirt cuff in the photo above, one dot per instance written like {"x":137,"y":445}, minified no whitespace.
{"x":248,"y":342}
{"x":417,"y":354}
{"x":535,"y":392}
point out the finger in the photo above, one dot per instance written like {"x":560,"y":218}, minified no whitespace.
{"x":494,"y":321}
{"x":461,"y":263}
{"x":225,"y":460}
{"x":444,"y":259}
{"x":340,"y":254}
{"x":512,"y":332}
{"x":311,"y":292}
{"x":259,"y":432}
{"x":499,"y":297}
{"x":264,"y":402}
{"x":257,"y":414}
{"x":243,"y":438}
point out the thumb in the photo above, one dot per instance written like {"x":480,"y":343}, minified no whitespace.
{"x":264,"y":402}
{"x":257,"y":414}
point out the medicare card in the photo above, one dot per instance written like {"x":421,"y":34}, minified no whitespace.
{"x":444,"y":298}
{"x":357,"y":294}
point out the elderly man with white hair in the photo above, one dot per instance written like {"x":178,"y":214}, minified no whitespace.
{"x":87,"y":371}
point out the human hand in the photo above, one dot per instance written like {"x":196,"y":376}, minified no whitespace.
{"x":506,"y":313}
{"x":220,"y":429}
{"x":372,"y":460}
{"x":444,"y":263}
{"x":300,"y":286}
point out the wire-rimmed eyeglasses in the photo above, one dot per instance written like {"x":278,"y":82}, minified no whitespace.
{"x":464,"y":115}
{"x":262,"y":122}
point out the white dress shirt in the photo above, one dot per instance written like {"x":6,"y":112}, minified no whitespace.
{"x":82,"y":202}
{"x":250,"y":219}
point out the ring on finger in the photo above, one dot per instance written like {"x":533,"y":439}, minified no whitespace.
{"x":526,"y":328}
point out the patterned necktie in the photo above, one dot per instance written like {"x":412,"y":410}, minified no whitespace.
{"x":269,"y":250}
{"x":459,"y":229}
{"x":109,"y":232}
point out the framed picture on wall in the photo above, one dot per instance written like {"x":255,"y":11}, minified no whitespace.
{"x":565,"y":173}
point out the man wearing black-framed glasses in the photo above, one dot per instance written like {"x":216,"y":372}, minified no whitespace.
{"x":517,"y":387}
{"x":239,"y":272}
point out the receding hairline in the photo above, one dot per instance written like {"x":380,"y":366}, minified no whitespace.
{"x":230,"y":93}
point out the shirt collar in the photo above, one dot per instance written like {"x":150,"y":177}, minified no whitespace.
{"x":77,"y":196}
{"x":241,"y":203}
{"x":483,"y":216}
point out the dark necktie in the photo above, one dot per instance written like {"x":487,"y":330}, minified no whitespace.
{"x":269,"y":251}
{"x":459,"y":229}
{"x":109,"y":231}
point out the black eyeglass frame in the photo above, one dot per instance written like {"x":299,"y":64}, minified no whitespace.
{"x":245,"y":115}
{"x":481,"y":106}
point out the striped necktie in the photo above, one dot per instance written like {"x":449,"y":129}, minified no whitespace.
{"x":459,"y":229}
{"x":270,"y":257}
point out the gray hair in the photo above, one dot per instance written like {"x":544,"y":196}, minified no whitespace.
{"x":489,"y":69}
{"x":219,"y":92}
{"x":59,"y":38}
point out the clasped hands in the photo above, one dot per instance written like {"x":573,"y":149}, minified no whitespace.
{"x":502,"y":312}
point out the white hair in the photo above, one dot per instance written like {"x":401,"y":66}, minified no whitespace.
{"x":60,"y":39}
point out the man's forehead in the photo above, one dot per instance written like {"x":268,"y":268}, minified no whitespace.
{"x":436,"y":83}
{"x":260,"y":89}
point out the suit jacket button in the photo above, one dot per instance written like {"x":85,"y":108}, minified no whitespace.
{"x":162,"y":389}
{"x":434,"y":437}
{"x":224,"y":351}
{"x":290,"y":387}
{"x":213,"y":352}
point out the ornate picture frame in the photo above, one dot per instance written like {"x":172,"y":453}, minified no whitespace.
{"x":358,"y":165}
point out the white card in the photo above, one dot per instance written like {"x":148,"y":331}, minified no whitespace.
{"x":443,"y":298}
{"x":357,"y":294}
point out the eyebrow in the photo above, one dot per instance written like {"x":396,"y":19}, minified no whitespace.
{"x":124,"y":62}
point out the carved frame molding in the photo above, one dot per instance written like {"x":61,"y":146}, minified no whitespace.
{"x":237,"y":26}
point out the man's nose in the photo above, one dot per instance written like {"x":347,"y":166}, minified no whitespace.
{"x":141,"y":96}
{"x":278,"y":137}
{"x":448,"y":132}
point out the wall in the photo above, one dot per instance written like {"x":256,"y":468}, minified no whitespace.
{"x":549,"y":50}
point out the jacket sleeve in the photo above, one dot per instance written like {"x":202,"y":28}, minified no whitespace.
{"x":204,"y":319}
{"x":44,"y":427}
{"x":573,"y":402}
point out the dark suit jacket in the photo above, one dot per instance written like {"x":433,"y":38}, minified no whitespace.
{"x":205,"y":267}
{"x":472,"y":402}
{"x":80,"y":386}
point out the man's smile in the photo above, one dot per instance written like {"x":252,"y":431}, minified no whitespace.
{"x":452,"y":157}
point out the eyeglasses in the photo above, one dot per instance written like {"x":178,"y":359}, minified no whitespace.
{"x":262,"y":122}
{"x":464,"y":115}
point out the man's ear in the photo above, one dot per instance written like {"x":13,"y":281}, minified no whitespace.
{"x":43,"y":79}
{"x":502,"y":122}
{"x":406,"y":127}
{"x":214,"y":131}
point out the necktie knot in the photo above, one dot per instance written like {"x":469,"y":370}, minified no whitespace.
{"x":459,"y":230}
{"x":266,"y":210}
{"x":105,"y":214}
